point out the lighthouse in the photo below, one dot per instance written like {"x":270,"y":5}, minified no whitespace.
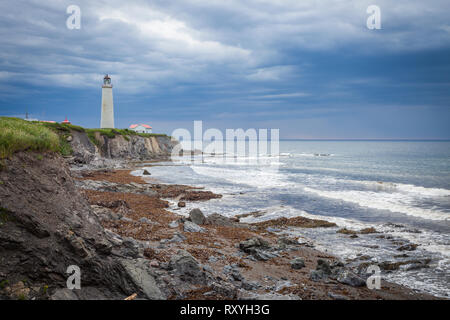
{"x":107,"y":104}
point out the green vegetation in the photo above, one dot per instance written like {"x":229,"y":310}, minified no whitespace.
{"x":60,"y":127}
{"x":112,"y":133}
{"x":45,"y":289}
{"x":20,"y":135}
{"x":4,"y":284}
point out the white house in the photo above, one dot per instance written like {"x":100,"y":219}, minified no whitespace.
{"x":141,"y":128}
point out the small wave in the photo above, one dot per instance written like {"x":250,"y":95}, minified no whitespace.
{"x":404,"y":188}
{"x":394,"y":202}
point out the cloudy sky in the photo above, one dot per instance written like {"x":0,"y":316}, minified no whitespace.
{"x":310,"y":68}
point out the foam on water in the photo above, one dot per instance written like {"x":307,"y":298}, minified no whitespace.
{"x":357,"y":185}
{"x":394,"y":202}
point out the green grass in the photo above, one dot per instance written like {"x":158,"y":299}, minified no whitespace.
{"x":20,"y":135}
{"x":112,"y":133}
{"x":60,"y":127}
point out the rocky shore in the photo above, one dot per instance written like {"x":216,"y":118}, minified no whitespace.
{"x":120,"y":230}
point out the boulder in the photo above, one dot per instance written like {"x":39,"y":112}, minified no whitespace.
{"x":140,"y":272}
{"x":64,"y":294}
{"x":268,"y":296}
{"x":351,"y":279}
{"x":187,"y":267}
{"x":324,"y":266}
{"x":197,"y":216}
{"x":181,"y":204}
{"x":297,"y":263}
{"x":192,"y":227}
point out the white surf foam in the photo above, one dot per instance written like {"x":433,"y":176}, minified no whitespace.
{"x":394,"y":202}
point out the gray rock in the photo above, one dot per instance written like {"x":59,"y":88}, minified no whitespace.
{"x":226,"y":290}
{"x":280,"y":285}
{"x":187,"y":267}
{"x":250,"y":285}
{"x":145,"y":220}
{"x":351,"y":279}
{"x":268,"y":296}
{"x":64,"y":294}
{"x":130,"y":248}
{"x":323,"y":265}
{"x":192,"y":227}
{"x":177,"y":237}
{"x":212,"y":259}
{"x":250,"y":245}
{"x":297,"y":263}
{"x":263,"y":255}
{"x":336,"y":296}
{"x":174,"y":224}
{"x":208,"y":268}
{"x":236,"y":275}
{"x":197,"y":216}
{"x":257,"y":247}
{"x":317,"y":275}
{"x":141,"y":275}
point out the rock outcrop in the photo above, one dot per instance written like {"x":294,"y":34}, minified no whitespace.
{"x":46,"y":225}
{"x":121,"y":147}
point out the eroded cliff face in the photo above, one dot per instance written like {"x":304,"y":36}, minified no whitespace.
{"x":120,"y":147}
{"x":47,"y":225}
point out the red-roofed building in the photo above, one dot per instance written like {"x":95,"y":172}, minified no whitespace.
{"x":66,"y":121}
{"x":141,"y":128}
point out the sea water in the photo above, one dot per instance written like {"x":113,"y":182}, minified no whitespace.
{"x":402,"y":188}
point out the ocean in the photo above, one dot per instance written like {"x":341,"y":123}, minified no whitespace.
{"x":402,"y":188}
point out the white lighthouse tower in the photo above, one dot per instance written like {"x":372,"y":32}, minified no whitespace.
{"x":107,"y":104}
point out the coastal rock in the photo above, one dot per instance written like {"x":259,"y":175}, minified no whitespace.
{"x":145,"y":172}
{"x":216,"y":219}
{"x":106,"y":186}
{"x":336,"y":296}
{"x":64,"y":294}
{"x":297,"y":263}
{"x":174,"y":224}
{"x":408,"y":247}
{"x":250,"y":285}
{"x":187,"y":267}
{"x":181,"y":204}
{"x":55,"y":228}
{"x":192,"y":227}
{"x":250,"y":245}
{"x":324,"y":266}
{"x":267,"y":296}
{"x":140,"y":273}
{"x":350,"y":279}
{"x":197,"y":216}
{"x":317,"y":275}
{"x":257,"y":248}
{"x":282,"y":284}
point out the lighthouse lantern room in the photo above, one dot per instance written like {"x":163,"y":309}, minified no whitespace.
{"x":107,"y":120}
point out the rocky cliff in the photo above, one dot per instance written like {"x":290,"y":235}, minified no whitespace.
{"x":89,"y":148}
{"x":46,"y":225}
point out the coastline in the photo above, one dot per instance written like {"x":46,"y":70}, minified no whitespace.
{"x":218,"y":250}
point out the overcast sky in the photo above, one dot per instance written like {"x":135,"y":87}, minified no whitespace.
{"x":310,"y":68}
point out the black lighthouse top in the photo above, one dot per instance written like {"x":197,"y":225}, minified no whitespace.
{"x":107,"y":81}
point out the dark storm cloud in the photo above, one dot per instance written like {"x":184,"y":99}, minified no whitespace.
{"x":247,"y":63}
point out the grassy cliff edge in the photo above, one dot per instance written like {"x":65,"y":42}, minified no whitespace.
{"x":20,"y":135}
